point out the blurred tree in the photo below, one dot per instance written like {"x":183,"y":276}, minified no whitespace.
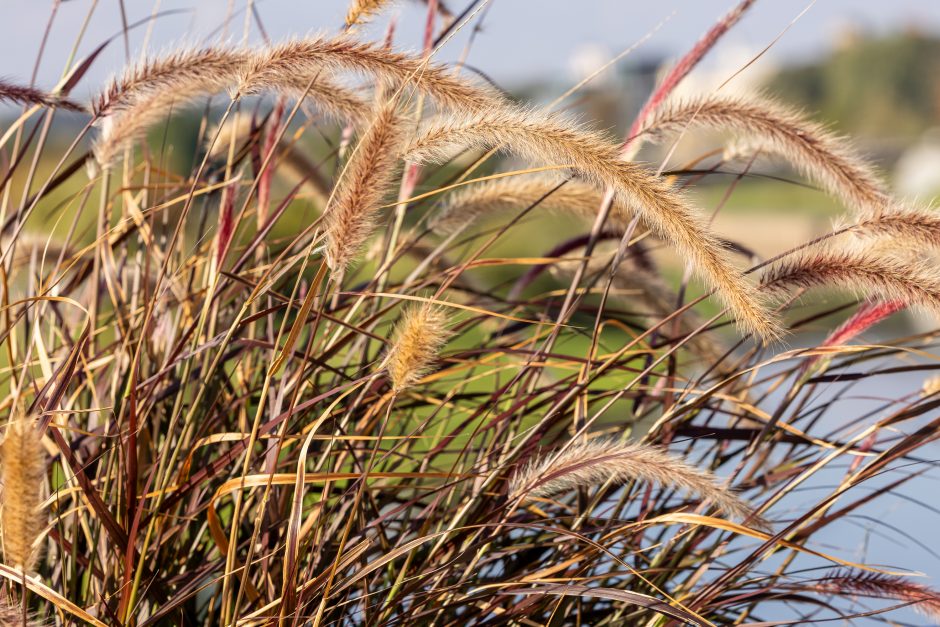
{"x":871,"y":87}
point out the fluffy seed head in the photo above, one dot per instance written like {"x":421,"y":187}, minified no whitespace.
{"x":916,"y":225}
{"x":297,"y":61}
{"x":592,"y":463}
{"x":186,"y":71}
{"x":24,"y":467}
{"x":826,"y":159}
{"x":361,"y":11}
{"x":882,"y":276}
{"x":549,"y":138}
{"x":371,"y":170}
{"x":11,"y":616}
{"x":417,"y":341}
{"x":923,"y":599}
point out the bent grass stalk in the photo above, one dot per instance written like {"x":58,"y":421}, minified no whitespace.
{"x":549,"y":138}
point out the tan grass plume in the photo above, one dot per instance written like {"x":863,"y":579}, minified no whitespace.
{"x":878,"y":275}
{"x":299,"y":60}
{"x":184,"y":71}
{"x":595,"y":462}
{"x":416,"y":343}
{"x":361,"y":11}
{"x":24,"y":467}
{"x":916,"y":225}
{"x":478,"y":201}
{"x":549,"y":138}
{"x":826,"y":159}
{"x":369,"y":174}
{"x":923,"y":599}
{"x":146,"y":92}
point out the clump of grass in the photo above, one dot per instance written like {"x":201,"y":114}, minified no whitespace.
{"x":246,"y":427}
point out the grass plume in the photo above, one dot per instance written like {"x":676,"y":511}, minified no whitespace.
{"x":600,"y":461}
{"x":24,"y":470}
{"x":362,"y":187}
{"x":203,"y":71}
{"x":881,"y":276}
{"x":823,"y":157}
{"x":300,"y":60}
{"x":361,"y":11}
{"x":471,"y":203}
{"x":923,"y":599}
{"x":20,"y":94}
{"x":553,"y":139}
{"x":417,"y":340}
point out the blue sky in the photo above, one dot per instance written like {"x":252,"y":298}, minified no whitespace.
{"x":520,"y":39}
